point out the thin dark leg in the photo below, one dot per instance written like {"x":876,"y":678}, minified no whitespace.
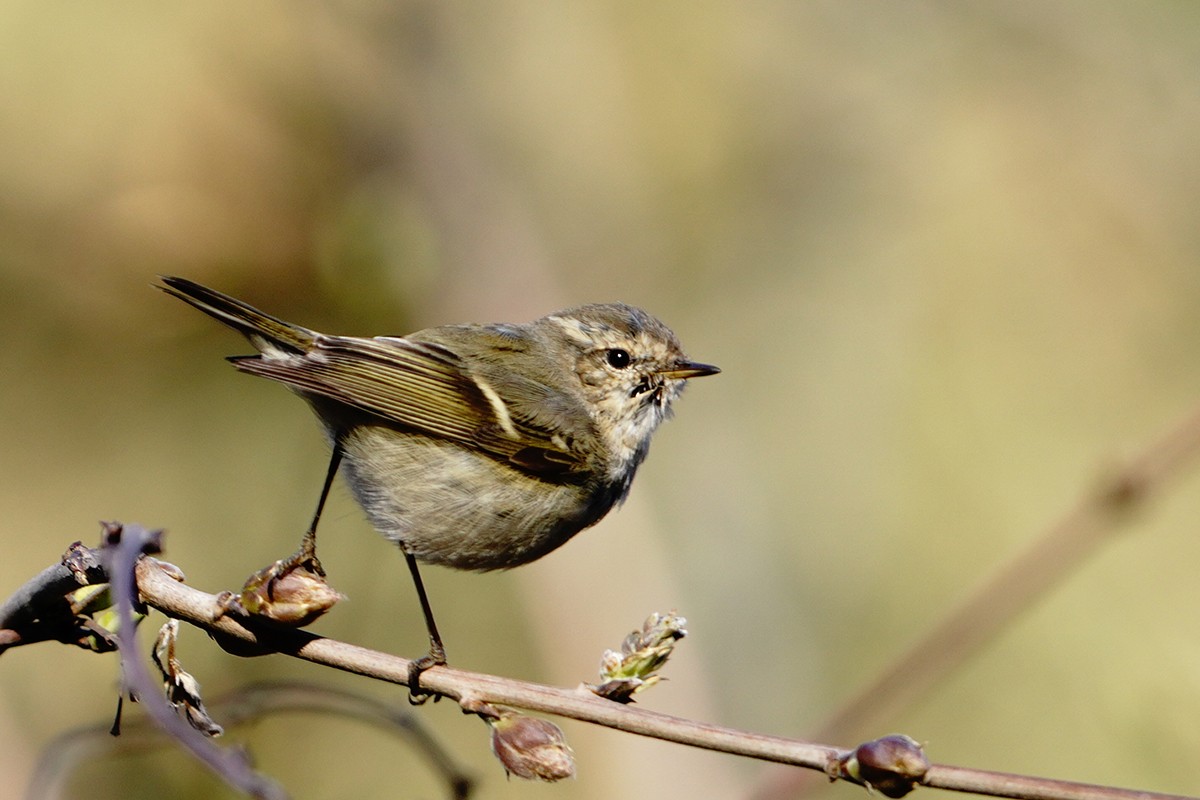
{"x":307,"y":554}
{"x":308,"y":546}
{"x":437,"y":651}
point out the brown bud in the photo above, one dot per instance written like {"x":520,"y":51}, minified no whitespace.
{"x":284,"y":593}
{"x":531,"y":748}
{"x":892,"y":765}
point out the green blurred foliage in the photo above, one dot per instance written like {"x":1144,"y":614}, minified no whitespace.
{"x":945,"y":252}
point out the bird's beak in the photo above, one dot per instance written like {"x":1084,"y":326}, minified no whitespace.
{"x":689,"y":369}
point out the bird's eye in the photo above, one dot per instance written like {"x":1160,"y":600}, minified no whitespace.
{"x":617,"y":358}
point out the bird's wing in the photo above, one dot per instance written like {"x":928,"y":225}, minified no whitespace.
{"x":425,"y":387}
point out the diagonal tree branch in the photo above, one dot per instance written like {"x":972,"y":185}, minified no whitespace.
{"x":1014,"y":588}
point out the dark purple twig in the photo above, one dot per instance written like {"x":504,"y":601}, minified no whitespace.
{"x":126,"y":547}
{"x":40,"y":610}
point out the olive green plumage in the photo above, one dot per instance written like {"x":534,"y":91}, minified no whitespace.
{"x":478,"y":446}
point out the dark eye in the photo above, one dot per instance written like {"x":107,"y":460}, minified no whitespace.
{"x":617,"y":358}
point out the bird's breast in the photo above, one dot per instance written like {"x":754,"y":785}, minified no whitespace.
{"x":448,"y":504}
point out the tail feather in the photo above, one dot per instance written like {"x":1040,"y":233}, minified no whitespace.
{"x":263,"y":330}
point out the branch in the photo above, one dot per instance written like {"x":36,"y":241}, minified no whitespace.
{"x":1021,"y":582}
{"x":1013,"y":589}
{"x":123,"y":554}
{"x":175,"y":599}
{"x":40,"y":609}
{"x":240,"y":707}
{"x":193,"y":606}
{"x":892,"y":765}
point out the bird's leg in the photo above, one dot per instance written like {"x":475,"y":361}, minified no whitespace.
{"x":437,"y":651}
{"x":307,"y":554}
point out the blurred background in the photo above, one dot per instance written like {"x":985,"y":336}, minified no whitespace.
{"x":945,"y":253}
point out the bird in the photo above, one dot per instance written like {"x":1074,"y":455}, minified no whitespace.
{"x":473,"y":446}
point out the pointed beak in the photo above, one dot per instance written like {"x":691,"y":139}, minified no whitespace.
{"x":689,"y":369}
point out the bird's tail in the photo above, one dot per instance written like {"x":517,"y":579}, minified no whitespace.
{"x":264,"y":331}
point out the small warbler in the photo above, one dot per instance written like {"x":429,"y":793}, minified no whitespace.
{"x":478,"y":447}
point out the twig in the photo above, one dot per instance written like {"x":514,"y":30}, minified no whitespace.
{"x":193,"y":606}
{"x":256,"y":700}
{"x":1025,"y":787}
{"x":39,"y":610}
{"x":229,"y":764}
{"x":1013,"y":589}
{"x":238,"y":707}
{"x":48,"y":586}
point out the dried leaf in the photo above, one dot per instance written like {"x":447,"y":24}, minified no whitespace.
{"x":182,"y":690}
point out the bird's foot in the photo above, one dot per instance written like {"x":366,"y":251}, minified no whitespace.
{"x":435,"y":658}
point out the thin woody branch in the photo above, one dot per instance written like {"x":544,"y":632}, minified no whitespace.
{"x":40,"y":609}
{"x":196,"y":607}
{"x":175,"y":599}
{"x":1015,"y":587}
{"x":242,"y":706}
{"x":126,"y":550}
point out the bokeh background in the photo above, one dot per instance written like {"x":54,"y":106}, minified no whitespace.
{"x":946,"y":253}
